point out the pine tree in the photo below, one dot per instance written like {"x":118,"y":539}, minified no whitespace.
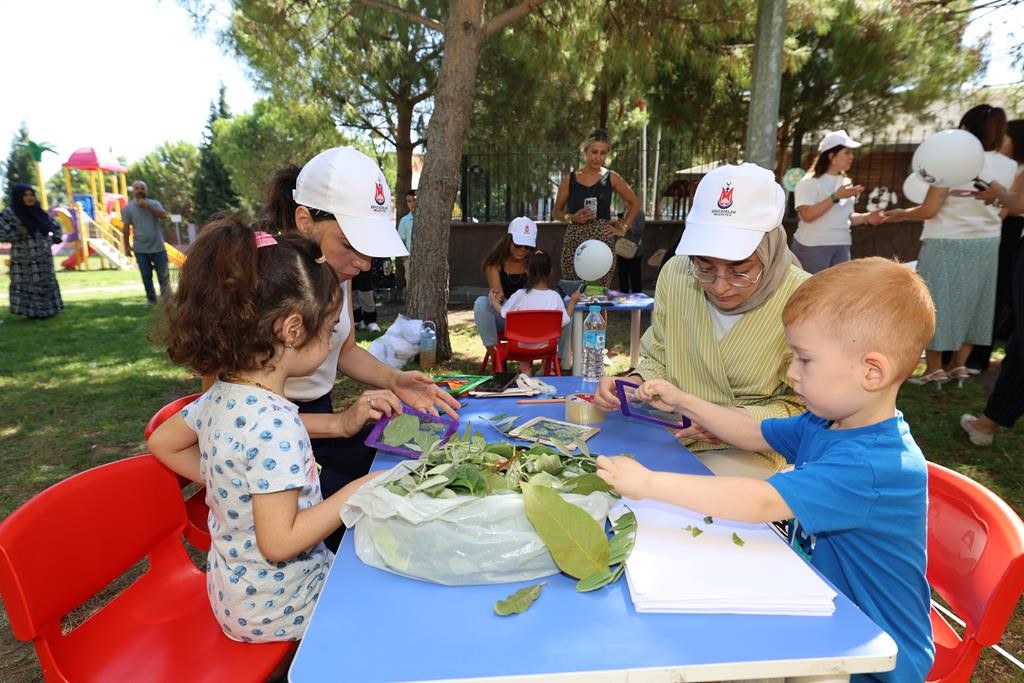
{"x":212,"y":192}
{"x":19,"y":167}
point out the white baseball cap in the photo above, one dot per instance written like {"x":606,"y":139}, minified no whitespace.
{"x":347,"y":183}
{"x":523,"y":231}
{"x":733,"y":207}
{"x":835,"y":139}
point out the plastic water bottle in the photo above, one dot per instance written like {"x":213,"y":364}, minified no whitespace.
{"x":593,"y":349}
{"x":428,"y":344}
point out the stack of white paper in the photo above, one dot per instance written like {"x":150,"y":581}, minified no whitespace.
{"x":671,"y":570}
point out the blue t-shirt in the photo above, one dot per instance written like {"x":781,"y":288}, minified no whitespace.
{"x":860,"y":497}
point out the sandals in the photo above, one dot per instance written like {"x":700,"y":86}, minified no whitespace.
{"x":939,"y":377}
{"x":959,"y":374}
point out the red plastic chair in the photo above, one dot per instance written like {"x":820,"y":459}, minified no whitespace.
{"x":976,"y":563}
{"x":67,"y":543}
{"x":530,"y":328}
{"x":197,"y":532}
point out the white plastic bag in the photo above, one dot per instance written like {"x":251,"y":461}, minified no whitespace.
{"x":398,"y":344}
{"x":453,"y":541}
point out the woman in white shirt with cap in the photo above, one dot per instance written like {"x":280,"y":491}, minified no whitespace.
{"x":824,"y":199}
{"x":716,"y":330}
{"x":341,"y":200}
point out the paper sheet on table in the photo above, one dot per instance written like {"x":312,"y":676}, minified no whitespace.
{"x":670,"y":570}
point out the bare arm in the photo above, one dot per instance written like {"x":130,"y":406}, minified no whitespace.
{"x":177,"y":447}
{"x":493,"y":275}
{"x":928,"y":209}
{"x":629,"y":197}
{"x":153,"y":208}
{"x":283,"y":531}
{"x":738,"y":498}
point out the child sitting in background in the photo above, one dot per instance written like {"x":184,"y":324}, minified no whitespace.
{"x":254,"y":310}
{"x":859,"y":490}
{"x":537,"y":295}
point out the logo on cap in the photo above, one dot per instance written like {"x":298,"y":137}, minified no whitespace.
{"x":725,"y":198}
{"x":526,"y":229}
{"x":378,"y":195}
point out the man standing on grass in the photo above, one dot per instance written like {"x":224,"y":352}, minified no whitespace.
{"x":143,"y":215}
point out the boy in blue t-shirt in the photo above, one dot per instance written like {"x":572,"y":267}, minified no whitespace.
{"x":859,"y":490}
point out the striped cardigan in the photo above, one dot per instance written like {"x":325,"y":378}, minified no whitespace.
{"x":747,"y":368}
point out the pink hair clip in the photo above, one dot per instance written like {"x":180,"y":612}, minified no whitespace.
{"x":264,"y":239}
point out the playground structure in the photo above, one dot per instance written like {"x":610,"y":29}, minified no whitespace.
{"x":97,"y":228}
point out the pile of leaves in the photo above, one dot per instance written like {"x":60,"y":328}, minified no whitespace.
{"x":470,"y":466}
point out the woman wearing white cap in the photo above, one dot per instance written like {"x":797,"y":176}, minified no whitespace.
{"x":505,"y":269}
{"x":824,"y":198}
{"x":341,"y":200}
{"x":716,"y":330}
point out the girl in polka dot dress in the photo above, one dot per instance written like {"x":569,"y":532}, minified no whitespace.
{"x":254,"y":310}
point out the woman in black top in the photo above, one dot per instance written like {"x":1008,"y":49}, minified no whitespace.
{"x":505,"y":269}
{"x":592,"y":220}
{"x":34,"y":292}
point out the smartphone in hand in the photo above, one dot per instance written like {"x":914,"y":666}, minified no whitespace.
{"x":981,"y":185}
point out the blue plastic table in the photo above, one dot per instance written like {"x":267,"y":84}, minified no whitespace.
{"x":374,"y":627}
{"x":636,"y":305}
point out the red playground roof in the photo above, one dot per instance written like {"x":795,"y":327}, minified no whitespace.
{"x":88,"y":159}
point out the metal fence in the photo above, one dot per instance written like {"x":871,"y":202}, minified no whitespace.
{"x":498,"y":184}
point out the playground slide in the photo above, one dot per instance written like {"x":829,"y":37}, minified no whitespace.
{"x":71,"y":262}
{"x":175,"y":257}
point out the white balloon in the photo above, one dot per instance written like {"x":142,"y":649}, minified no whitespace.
{"x":948,"y":158}
{"x":593,"y":260}
{"x":914,"y":189}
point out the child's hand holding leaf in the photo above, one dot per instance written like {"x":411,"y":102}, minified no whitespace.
{"x":628,"y":477}
{"x":661,"y":394}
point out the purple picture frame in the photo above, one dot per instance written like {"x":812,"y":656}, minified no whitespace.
{"x":374,"y":439}
{"x":620,"y":390}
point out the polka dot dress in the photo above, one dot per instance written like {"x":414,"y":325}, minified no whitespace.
{"x":251,"y":442}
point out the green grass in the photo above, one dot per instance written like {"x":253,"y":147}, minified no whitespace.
{"x":79,"y":388}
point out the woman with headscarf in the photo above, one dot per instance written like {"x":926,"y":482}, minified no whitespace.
{"x":716,"y":330}
{"x":584,"y":201}
{"x":34,"y":292}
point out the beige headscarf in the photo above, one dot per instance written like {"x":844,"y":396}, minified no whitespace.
{"x":777,"y":258}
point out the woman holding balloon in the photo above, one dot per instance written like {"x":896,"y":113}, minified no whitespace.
{"x":959,"y":253}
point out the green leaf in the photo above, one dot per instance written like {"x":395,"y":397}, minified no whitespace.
{"x":595,"y":581}
{"x":620,"y":546}
{"x":695,"y":531}
{"x":396,"y":489}
{"x":431,"y":482}
{"x":709,"y":520}
{"x":625,"y":520}
{"x":584,"y":448}
{"x":518,"y":602}
{"x":586,"y":484}
{"x":577,"y":543}
{"x":401,"y":429}
{"x":502,"y":448}
{"x":737,"y":540}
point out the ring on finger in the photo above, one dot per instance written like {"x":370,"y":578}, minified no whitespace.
{"x":369,"y":401}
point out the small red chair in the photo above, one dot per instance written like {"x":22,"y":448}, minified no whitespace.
{"x":67,"y":543}
{"x":531,"y":328}
{"x":197,"y":532}
{"x":976,"y":563}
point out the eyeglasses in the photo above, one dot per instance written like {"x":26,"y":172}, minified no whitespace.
{"x":523,"y":246}
{"x":707,"y":276}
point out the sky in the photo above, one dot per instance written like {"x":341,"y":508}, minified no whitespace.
{"x":135,"y":74}
{"x":124,"y":78}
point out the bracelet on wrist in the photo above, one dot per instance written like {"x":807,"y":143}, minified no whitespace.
{"x":568,"y":218}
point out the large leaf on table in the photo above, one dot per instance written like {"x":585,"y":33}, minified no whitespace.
{"x":577,"y":543}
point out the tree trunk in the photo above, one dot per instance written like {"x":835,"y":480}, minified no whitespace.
{"x":453,"y":104}
{"x":403,"y":153}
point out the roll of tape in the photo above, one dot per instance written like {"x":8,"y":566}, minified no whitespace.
{"x":580,"y":409}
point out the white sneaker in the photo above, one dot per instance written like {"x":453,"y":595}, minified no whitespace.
{"x":373,"y":327}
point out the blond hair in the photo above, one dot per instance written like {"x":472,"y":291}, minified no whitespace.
{"x":869,"y":304}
